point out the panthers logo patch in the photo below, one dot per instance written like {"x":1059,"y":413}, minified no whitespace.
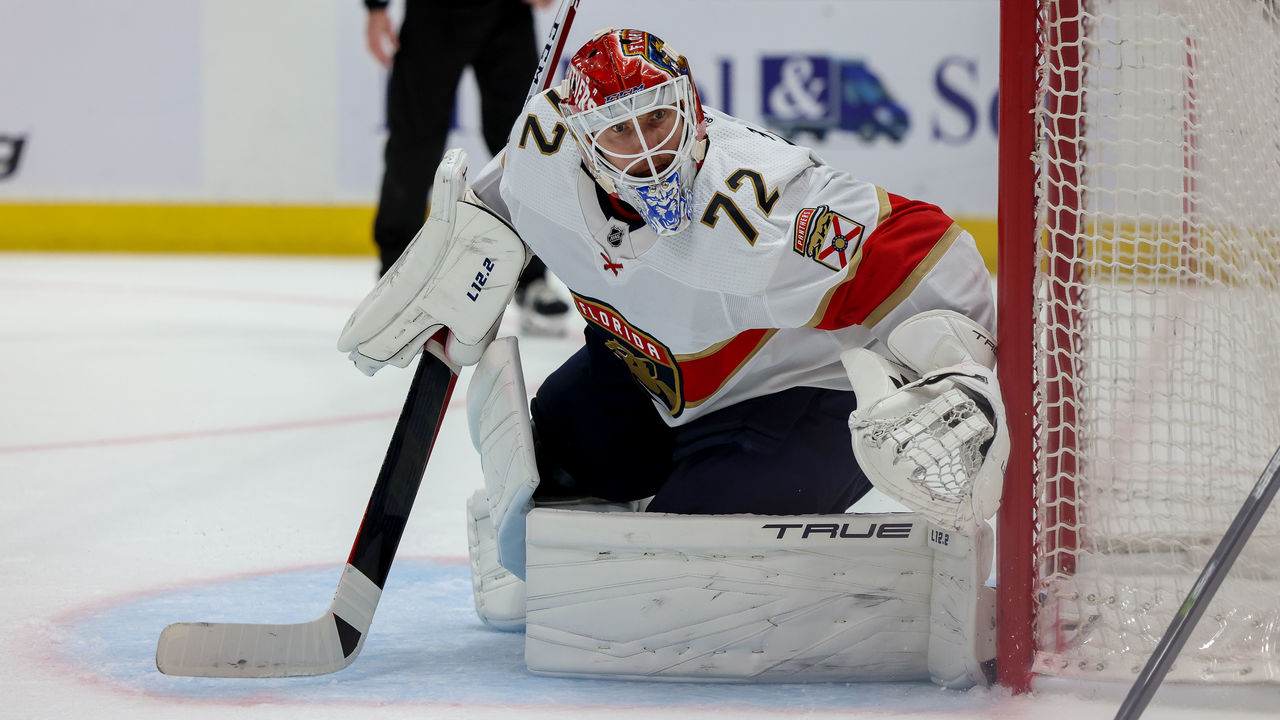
{"x":649,"y":361}
{"x":827,"y":236}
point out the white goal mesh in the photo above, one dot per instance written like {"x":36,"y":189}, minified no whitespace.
{"x":1157,"y":331}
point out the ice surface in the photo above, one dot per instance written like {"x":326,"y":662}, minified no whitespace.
{"x":179,"y":440}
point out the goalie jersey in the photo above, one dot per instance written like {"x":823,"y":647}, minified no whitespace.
{"x":787,"y":262}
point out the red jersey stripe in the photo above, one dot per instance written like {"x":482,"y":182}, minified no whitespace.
{"x":706,"y":372}
{"x":894,"y":258}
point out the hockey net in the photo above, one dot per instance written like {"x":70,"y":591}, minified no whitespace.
{"x":1146,"y":286}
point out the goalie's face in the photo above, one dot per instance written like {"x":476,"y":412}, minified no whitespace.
{"x":632,"y":108}
{"x":643,"y":146}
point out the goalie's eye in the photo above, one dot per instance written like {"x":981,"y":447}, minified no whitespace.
{"x":652,"y":119}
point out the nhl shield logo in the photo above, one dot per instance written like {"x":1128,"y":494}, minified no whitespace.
{"x":615,"y":236}
{"x":827,"y":236}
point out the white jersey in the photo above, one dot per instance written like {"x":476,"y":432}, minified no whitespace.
{"x":787,"y":262}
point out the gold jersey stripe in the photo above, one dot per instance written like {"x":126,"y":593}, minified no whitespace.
{"x":910,"y":283}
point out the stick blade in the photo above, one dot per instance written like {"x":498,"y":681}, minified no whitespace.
{"x":324,"y":645}
{"x":200,"y":649}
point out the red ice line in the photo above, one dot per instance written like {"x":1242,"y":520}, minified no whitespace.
{"x":197,"y":434}
{"x":216,"y":432}
{"x":241,"y":295}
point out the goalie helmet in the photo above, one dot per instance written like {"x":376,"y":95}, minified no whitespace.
{"x":632,"y":107}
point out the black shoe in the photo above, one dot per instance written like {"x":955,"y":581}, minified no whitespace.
{"x":542,"y":312}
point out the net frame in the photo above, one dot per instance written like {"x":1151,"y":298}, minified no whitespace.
{"x":1048,"y":221}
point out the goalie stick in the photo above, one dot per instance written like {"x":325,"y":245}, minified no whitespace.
{"x":553,"y":47}
{"x":333,"y":640}
{"x":1184,"y":621}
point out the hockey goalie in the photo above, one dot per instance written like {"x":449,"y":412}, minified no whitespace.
{"x":767,"y":339}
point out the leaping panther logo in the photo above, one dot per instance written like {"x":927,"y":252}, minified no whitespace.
{"x":649,"y":361}
{"x":645,"y":372}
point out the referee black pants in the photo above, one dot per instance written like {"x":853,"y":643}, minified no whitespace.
{"x":438,"y":40}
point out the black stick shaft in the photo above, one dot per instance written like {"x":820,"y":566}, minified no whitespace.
{"x":554,"y":46}
{"x":402,"y":469}
{"x":1202,"y":592}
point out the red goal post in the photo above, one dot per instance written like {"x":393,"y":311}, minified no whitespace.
{"x":1139,"y":328}
{"x":1019,"y":48}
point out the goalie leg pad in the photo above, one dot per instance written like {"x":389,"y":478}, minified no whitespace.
{"x":498,"y":595}
{"x":962,"y":625}
{"x":498,"y":416}
{"x":756,"y":598}
{"x":735,"y":597}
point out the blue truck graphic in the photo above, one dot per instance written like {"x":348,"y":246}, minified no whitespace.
{"x":816,"y":94}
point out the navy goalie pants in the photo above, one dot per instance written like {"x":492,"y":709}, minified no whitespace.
{"x":599,"y":434}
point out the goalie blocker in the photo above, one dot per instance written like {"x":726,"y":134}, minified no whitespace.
{"x":459,"y":272}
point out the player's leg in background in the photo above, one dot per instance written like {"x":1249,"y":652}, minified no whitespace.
{"x":504,"y":63}
{"x":420,"y":93}
{"x":542,"y":310}
{"x":782,"y":454}
{"x":504,"y":69}
{"x":597,"y":432}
